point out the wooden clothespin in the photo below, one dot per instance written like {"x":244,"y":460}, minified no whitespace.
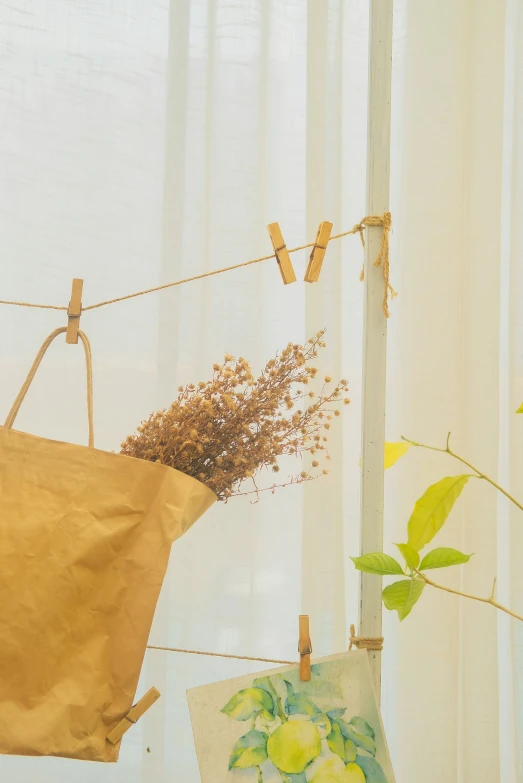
{"x":305,"y":648}
{"x":282,"y":254}
{"x":312,"y":273}
{"x":74,"y":312}
{"x":133,"y":715}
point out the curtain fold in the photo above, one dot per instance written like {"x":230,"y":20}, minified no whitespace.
{"x":147,"y":142}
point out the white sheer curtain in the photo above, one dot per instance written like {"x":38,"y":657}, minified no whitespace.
{"x":145,"y":142}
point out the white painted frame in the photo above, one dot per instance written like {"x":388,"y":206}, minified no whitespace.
{"x":374,"y":321}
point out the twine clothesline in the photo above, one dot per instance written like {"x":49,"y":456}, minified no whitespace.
{"x":360,"y":642}
{"x":383,"y":260}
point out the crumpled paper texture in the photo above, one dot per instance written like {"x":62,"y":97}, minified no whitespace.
{"x":85,"y":540}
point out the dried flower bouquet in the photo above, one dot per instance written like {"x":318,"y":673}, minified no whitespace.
{"x":225,"y":431}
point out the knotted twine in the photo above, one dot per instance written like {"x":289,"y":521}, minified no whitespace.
{"x":364,"y":642}
{"x":383,"y":256}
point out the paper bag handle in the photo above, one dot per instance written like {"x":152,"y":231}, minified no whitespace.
{"x":32,"y":372}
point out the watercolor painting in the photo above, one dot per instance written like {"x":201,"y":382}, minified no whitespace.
{"x":270,"y":727}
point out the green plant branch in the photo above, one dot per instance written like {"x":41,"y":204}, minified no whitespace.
{"x":260,"y":776}
{"x":490,"y":600}
{"x":480,"y":474}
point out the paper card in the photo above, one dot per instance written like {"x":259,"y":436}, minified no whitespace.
{"x":271,"y":728}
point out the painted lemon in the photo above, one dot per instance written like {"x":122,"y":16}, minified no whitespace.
{"x":353,"y":774}
{"x":334,"y":771}
{"x":330,"y":771}
{"x":294,"y":745}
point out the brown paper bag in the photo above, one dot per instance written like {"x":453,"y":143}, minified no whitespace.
{"x":85,"y":537}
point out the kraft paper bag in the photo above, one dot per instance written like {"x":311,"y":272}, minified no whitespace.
{"x":85,"y":537}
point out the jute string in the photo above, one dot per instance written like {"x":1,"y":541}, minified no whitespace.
{"x":219,"y":655}
{"x":11,"y":416}
{"x":364,"y":642}
{"x":359,"y":642}
{"x":371,"y":220}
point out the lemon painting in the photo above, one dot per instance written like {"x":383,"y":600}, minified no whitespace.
{"x":273,"y":728}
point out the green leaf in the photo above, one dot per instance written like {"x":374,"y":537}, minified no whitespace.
{"x":410,"y":555}
{"x":360,"y":740}
{"x":371,"y":769}
{"x":249,"y":751}
{"x":317,"y":688}
{"x":336,"y":741}
{"x":337,"y":713}
{"x":265,"y":684}
{"x":362,"y":727}
{"x":442,"y":557}
{"x":520,"y":409}
{"x":301,"y":704}
{"x":432,"y":509}
{"x":402,"y":595}
{"x":394,"y":451}
{"x":323,"y":723}
{"x":377,"y":563}
{"x":249,"y":702}
{"x":351,"y":751}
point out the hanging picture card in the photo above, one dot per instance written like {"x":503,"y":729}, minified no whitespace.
{"x":270,"y":727}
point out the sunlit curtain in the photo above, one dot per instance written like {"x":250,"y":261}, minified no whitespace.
{"x":143,"y":143}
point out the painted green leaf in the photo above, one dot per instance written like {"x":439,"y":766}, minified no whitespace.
{"x":337,"y":713}
{"x":249,"y":702}
{"x":432,"y":510}
{"x":249,"y":751}
{"x":266,"y":684}
{"x":351,"y":751}
{"x":394,"y":451}
{"x":402,"y":595}
{"x":317,"y":688}
{"x":377,"y":563}
{"x":520,"y":409}
{"x":323,"y":723}
{"x":360,"y":740}
{"x":442,"y":557}
{"x":301,"y":704}
{"x":336,"y":741}
{"x":410,"y":555}
{"x":371,"y":769}
{"x":362,"y":727}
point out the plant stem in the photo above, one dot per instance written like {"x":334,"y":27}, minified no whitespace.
{"x":480,"y":474}
{"x":260,"y":776}
{"x":490,"y":600}
{"x":277,"y":699}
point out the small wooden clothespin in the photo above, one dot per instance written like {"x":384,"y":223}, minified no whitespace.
{"x":312,"y":273}
{"x":282,"y":254}
{"x":133,"y":715}
{"x":305,"y":648}
{"x":74,"y":312}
